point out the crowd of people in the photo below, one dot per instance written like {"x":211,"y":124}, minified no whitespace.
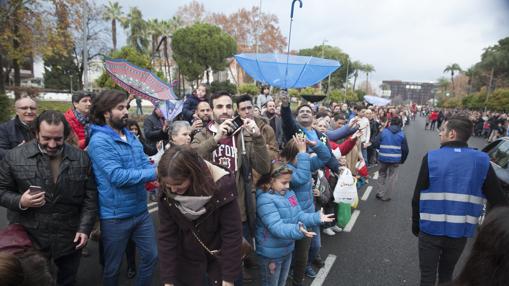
{"x":230,"y":174}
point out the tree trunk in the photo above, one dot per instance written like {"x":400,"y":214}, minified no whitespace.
{"x":114,"y":33}
{"x":168,"y":66}
{"x":354,"y":81}
{"x":2,"y":82}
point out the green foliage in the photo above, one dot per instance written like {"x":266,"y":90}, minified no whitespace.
{"x":334,"y":53}
{"x":308,"y":90}
{"x":59,"y":70}
{"x":61,"y":106}
{"x":337,"y":95}
{"x":474,"y":100}
{"x":293,"y":92}
{"x":5,"y":108}
{"x":131,"y":55}
{"x":248,"y":88}
{"x":499,"y":100}
{"x":217,"y":86}
{"x":201,"y":46}
{"x":496,"y":59}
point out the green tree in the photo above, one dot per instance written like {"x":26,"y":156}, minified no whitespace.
{"x":248,"y":88}
{"x":113,"y":13}
{"x":61,"y":72}
{"x":227,"y":86}
{"x":201,"y":47}
{"x":329,"y":52}
{"x":452,"y":68}
{"x":367,"y":69}
{"x":137,"y":29}
{"x":355,"y":66}
{"x":499,"y":100}
{"x":4,"y":106}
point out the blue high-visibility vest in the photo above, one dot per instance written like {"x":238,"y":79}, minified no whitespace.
{"x":390,"y":146}
{"x":453,"y":203}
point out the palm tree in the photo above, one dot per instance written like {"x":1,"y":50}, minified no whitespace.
{"x":137,"y":30}
{"x":154,"y":30}
{"x":113,"y":13}
{"x":356,"y":67}
{"x":452,"y":68}
{"x":367,"y":68}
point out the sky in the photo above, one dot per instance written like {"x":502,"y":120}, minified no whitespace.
{"x":409,"y":40}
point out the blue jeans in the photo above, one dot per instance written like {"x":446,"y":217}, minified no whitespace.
{"x":274,"y":271}
{"x":316,"y":243}
{"x":115,"y":233}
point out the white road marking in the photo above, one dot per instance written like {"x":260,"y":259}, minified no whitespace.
{"x":324,"y":271}
{"x":153,"y":210}
{"x":353,"y":219}
{"x":367,"y":192}
{"x":151,"y":204}
{"x":375,"y":176}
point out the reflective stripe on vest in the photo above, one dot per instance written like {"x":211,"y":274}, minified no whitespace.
{"x":449,"y":218}
{"x":452,"y":197}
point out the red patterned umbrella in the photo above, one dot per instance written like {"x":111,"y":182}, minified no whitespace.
{"x":138,"y":81}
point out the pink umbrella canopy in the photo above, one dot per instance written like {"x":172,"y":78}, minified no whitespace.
{"x":138,"y":81}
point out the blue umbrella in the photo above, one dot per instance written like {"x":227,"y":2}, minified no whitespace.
{"x":375,"y":100}
{"x":286,"y":71}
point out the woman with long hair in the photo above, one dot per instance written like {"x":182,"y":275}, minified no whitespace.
{"x":200,"y":229}
{"x":488,"y":263}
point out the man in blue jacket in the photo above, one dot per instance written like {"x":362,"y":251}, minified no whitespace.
{"x":393,"y":151}
{"x":121,"y":170}
{"x":453,"y":184}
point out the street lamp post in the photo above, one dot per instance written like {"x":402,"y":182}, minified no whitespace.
{"x":323,"y":46}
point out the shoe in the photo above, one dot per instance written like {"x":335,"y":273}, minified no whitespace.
{"x":385,"y":199}
{"x":310,"y":272}
{"x":131,"y":272}
{"x":378,"y":196}
{"x":328,"y":231}
{"x":318,"y":262}
{"x":336,"y":228}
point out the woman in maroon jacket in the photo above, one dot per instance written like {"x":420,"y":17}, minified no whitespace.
{"x":200,"y":229}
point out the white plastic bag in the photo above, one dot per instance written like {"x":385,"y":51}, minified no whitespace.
{"x":157,"y":157}
{"x":346,"y":188}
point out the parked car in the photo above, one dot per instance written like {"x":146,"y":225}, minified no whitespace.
{"x":498,"y":151}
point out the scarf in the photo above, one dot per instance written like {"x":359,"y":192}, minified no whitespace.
{"x":83,"y":120}
{"x":190,"y":206}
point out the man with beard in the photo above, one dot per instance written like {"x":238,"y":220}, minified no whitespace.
{"x":18,"y":130}
{"x":201,"y":116}
{"x":245,"y":110}
{"x":275,"y":122}
{"x":217,"y":144}
{"x":121,"y":170}
{"x":77,"y":116}
{"x":48,"y":187}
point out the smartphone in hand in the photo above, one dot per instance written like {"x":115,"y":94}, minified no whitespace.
{"x":237,"y":122}
{"x":34,"y":190}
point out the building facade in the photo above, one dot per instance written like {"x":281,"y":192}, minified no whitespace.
{"x":404,"y":91}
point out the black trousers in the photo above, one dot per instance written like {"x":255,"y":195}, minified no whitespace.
{"x":438,"y":254}
{"x":67,"y":268}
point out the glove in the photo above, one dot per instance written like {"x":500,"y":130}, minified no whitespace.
{"x":415,"y":228}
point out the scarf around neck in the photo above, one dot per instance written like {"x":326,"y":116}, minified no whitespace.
{"x":191,"y":207}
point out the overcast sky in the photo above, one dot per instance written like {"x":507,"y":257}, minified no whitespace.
{"x":410,"y":40}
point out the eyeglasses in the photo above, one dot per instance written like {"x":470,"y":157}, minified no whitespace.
{"x":27,"y":107}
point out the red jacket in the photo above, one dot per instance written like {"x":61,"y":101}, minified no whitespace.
{"x":433,"y":116}
{"x":77,"y":128}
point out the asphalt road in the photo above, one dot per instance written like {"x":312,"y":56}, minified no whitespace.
{"x":380,"y":248}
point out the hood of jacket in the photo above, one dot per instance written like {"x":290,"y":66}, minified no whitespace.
{"x":394,"y":128}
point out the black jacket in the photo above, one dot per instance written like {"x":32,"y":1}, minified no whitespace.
{"x":71,"y":203}
{"x":153,"y":130}
{"x":12,"y":133}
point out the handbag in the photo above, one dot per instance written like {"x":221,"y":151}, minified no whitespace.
{"x":14,"y":239}
{"x":322,"y":185}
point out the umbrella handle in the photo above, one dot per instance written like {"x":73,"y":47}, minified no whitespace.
{"x":293,"y":4}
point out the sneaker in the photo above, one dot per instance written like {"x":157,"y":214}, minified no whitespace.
{"x":336,"y":228}
{"x":310,"y":272}
{"x":318,"y":262}
{"x":329,"y":231}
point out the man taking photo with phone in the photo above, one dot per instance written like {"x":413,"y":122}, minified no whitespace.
{"x":48,"y":187}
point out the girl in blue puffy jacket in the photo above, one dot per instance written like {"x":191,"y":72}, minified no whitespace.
{"x":280,"y":221}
